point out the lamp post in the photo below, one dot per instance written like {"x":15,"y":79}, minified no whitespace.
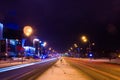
{"x":27,"y":30}
{"x":77,"y":51}
{"x":44,"y":53}
{"x":90,"y":44}
{"x":76,"y":47}
{"x":85,"y":39}
{"x":36,"y":43}
{"x":44,"y":44}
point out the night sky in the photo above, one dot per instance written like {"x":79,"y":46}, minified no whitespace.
{"x":62,"y":22}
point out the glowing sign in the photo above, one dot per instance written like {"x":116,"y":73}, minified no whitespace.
{"x":12,"y":42}
{"x":13,"y":26}
{"x":1,"y":30}
{"x":1,"y":25}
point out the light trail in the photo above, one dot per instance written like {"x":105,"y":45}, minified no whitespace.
{"x":24,"y":65}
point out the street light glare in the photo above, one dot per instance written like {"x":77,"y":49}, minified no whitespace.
{"x":93,"y":44}
{"x":75,"y":45}
{"x":44,"y":44}
{"x":71,"y":48}
{"x":27,"y":30}
{"x":50,"y":48}
{"x":35,"y":40}
{"x":84,"y":38}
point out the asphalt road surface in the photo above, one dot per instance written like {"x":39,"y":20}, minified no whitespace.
{"x":96,"y":70}
{"x":27,"y":72}
{"x":93,"y":69}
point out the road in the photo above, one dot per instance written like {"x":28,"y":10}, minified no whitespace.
{"x":69,"y":69}
{"x":96,"y":70}
{"x":27,"y":71}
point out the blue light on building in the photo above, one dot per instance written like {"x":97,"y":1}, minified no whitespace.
{"x":1,"y":30}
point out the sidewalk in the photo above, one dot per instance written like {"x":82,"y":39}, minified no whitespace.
{"x":116,"y":61}
{"x":62,"y":71}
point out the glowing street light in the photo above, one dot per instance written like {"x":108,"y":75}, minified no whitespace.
{"x":75,"y":45}
{"x":50,"y":48}
{"x":28,"y":30}
{"x":71,"y":48}
{"x":81,"y":48}
{"x":36,"y":42}
{"x":44,"y":44}
{"x":119,"y":55}
{"x":93,"y":44}
{"x":84,"y":38}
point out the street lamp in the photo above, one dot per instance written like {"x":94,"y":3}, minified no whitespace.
{"x":44,"y":51}
{"x":28,"y":30}
{"x":84,"y":38}
{"x":49,"y":49}
{"x":44,"y":44}
{"x":34,"y":40}
{"x":71,"y":48}
{"x":36,"y":43}
{"x":75,"y":45}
